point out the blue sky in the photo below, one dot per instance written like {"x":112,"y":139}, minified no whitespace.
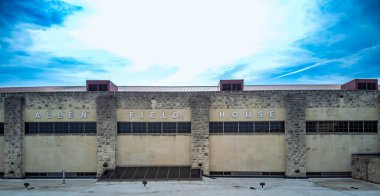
{"x":176,"y":42}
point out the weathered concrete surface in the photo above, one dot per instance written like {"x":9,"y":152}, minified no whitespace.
{"x":13,"y":137}
{"x":106,"y":133}
{"x":219,"y":186}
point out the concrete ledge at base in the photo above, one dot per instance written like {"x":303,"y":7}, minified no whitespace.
{"x":366,"y":167}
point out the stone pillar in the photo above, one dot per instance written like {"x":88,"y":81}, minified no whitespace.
{"x":106,"y":132}
{"x":295,"y":136}
{"x":200,"y":133}
{"x":13,"y":137}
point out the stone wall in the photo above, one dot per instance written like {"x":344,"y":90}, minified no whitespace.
{"x":374,"y":170}
{"x":105,"y":104}
{"x":295,"y":136}
{"x":106,"y":133}
{"x":13,"y":137}
{"x":366,"y":167}
{"x":200,"y":133}
{"x":359,"y":167}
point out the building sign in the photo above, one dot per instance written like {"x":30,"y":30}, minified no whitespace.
{"x":59,"y":115}
{"x":246,"y":115}
{"x":155,"y":115}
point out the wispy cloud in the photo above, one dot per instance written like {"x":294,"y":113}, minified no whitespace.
{"x":187,"y":42}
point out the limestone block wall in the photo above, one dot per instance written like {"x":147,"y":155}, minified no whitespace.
{"x":1,"y":153}
{"x":106,"y":132}
{"x":374,"y":170}
{"x":200,"y":133}
{"x":13,"y":137}
{"x":295,"y":132}
{"x":366,"y":167}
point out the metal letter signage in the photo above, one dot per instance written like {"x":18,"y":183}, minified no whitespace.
{"x":61,"y":115}
{"x":246,"y":114}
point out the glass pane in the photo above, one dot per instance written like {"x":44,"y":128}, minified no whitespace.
{"x":261,"y":126}
{"x":124,"y":127}
{"x":31,"y":128}
{"x":277,"y":127}
{"x":170,"y":127}
{"x":246,"y":127}
{"x":356,"y":126}
{"x":216,"y":127}
{"x":1,"y":128}
{"x":76,"y":127}
{"x":311,"y":127}
{"x":231,"y":127}
{"x":90,"y":127}
{"x":184,"y":127}
{"x":139,"y":127}
{"x":61,"y":127}
{"x":154,"y":127}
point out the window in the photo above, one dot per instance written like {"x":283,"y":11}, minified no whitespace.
{"x":169,"y":127}
{"x":370,"y":126}
{"x":246,"y":127}
{"x":366,"y":86}
{"x":326,"y":127}
{"x":216,"y":127}
{"x":362,"y":86}
{"x":1,"y":128}
{"x":31,"y":128}
{"x":90,"y":127}
{"x":103,"y":87}
{"x":231,"y":127}
{"x":262,"y":126}
{"x":61,"y":127}
{"x":236,"y":87}
{"x":93,"y":87}
{"x":76,"y":127}
{"x":371,"y":86}
{"x":311,"y":126}
{"x":231,"y":87}
{"x":356,"y":126}
{"x":342,"y":126}
{"x":277,"y":127}
{"x":154,"y":127}
{"x":184,"y":127}
{"x":227,"y":87}
{"x":124,"y":127}
{"x":97,"y":87}
{"x":45,"y":127}
{"x":139,"y":127}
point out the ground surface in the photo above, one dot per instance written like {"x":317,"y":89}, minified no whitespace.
{"x":219,"y":186}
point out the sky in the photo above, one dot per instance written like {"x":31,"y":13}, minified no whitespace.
{"x":192,"y":42}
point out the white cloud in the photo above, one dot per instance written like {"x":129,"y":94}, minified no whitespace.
{"x":198,"y":39}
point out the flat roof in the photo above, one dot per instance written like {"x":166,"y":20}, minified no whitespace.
{"x":172,"y":88}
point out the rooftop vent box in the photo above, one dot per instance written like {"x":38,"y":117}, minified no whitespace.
{"x":231,"y":85}
{"x":361,"y":84}
{"x":100,"y":85}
